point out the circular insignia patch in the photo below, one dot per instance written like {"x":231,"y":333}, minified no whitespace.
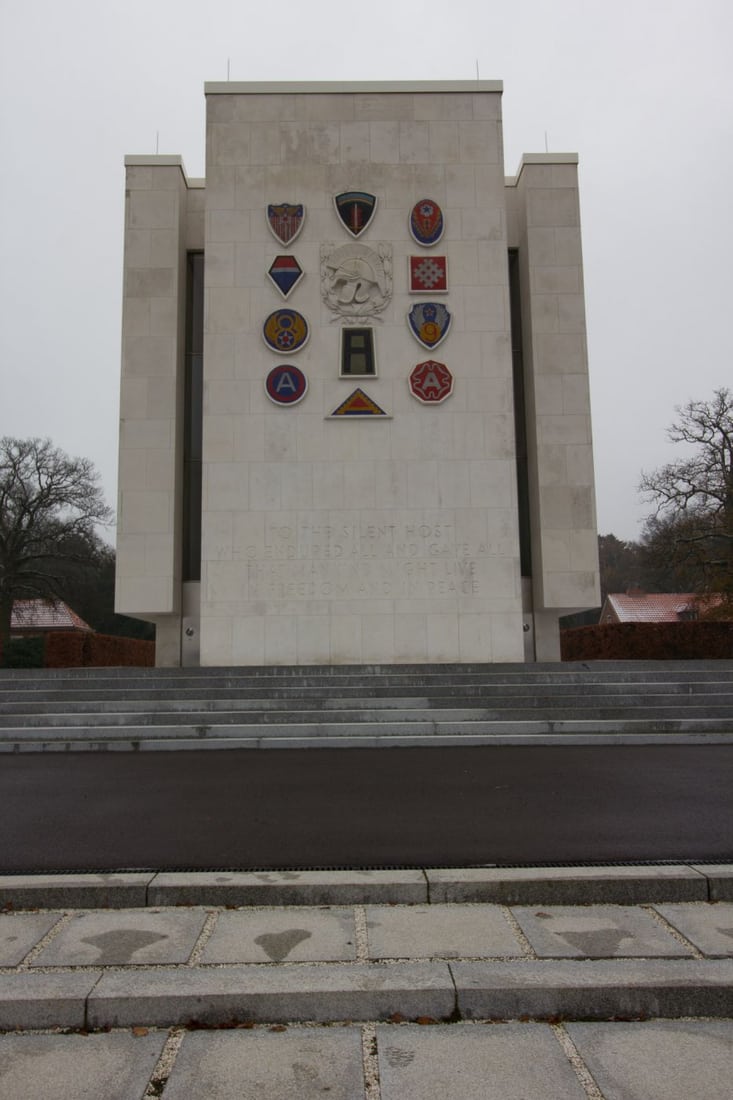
{"x":426,"y":222}
{"x":285,"y":331}
{"x":286,"y":384}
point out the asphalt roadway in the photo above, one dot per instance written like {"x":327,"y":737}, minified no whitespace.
{"x":247,"y":809}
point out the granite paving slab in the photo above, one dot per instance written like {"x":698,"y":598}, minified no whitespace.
{"x":293,"y":934}
{"x":117,"y":938}
{"x":659,"y":1059}
{"x":298,"y":1064}
{"x":479,"y":1062}
{"x":77,"y":1067}
{"x":709,"y":927}
{"x":20,"y":932}
{"x":439,"y":931}
{"x":596,"y":932}
{"x":271,"y":994}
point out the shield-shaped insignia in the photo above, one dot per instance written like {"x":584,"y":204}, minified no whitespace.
{"x":285,"y":331}
{"x":355,"y":209}
{"x":429,"y":323}
{"x":285,"y":220}
{"x":426,"y":222}
{"x":285,"y":272}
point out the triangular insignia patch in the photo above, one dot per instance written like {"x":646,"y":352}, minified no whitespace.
{"x":355,"y":209}
{"x":358,"y":404}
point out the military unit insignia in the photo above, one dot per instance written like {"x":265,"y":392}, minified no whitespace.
{"x":358,"y":404}
{"x":426,"y":222}
{"x":431,"y":382}
{"x":429,"y":323}
{"x":285,"y":272}
{"x":285,"y":331}
{"x":356,"y":283}
{"x":428,"y":274}
{"x":355,"y":209}
{"x":286,"y":384}
{"x":285,"y":220}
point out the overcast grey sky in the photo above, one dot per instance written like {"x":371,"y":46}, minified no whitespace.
{"x":642,"y":90}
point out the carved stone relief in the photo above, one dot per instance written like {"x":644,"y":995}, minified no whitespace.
{"x":356,"y":280}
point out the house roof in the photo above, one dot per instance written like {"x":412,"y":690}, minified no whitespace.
{"x":648,"y":607}
{"x":45,"y":615}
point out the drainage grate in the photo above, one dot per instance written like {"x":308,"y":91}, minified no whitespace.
{"x":178,"y":869}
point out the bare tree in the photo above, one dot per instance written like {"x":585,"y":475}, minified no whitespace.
{"x":694,"y":497}
{"x":49,"y":507}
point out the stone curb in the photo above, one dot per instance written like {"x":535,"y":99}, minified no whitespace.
{"x":274,"y":994}
{"x":597,"y":990}
{"x":538,"y":990}
{"x":37,"y":1000}
{"x":505,"y":886}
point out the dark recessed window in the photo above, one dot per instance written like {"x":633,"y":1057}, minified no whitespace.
{"x":357,"y":352}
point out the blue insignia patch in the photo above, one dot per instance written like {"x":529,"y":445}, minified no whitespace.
{"x":429,"y":323}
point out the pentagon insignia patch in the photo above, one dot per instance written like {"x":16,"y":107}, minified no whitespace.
{"x":428,"y":274}
{"x":358,"y":404}
{"x":285,"y":272}
{"x":285,"y":331}
{"x":286,"y":384}
{"x":426,"y":222}
{"x":355,"y":209}
{"x":285,"y":220}
{"x":429,"y":323}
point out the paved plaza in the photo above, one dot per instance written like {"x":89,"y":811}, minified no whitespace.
{"x":374,"y":985}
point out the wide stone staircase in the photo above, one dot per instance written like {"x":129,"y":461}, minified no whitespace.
{"x":613,"y":702}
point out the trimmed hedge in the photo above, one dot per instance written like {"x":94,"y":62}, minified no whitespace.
{"x":75,"y":650}
{"x":22,"y":653}
{"x":684,"y":641}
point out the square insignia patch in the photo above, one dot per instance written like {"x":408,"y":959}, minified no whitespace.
{"x":428,"y":274}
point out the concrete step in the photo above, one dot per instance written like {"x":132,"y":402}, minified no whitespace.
{"x":214,"y":717}
{"x":200,"y":698}
{"x":154,"y":737}
{"x":208,"y":949}
{"x":130,"y":709}
{"x":385,"y":675}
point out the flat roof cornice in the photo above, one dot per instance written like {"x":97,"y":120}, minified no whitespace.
{"x":335,"y":87}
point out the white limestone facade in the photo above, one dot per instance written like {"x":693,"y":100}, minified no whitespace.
{"x":449,"y":531}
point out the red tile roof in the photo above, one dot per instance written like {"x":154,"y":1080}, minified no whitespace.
{"x":45,"y":615}
{"x":649,"y":607}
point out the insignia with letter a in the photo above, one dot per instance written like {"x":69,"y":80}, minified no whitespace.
{"x":431,"y":382}
{"x":286,"y":384}
{"x":285,"y":220}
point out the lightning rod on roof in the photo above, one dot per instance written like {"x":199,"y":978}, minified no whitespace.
{"x":477,"y":76}
{"x":157,"y":141}
{"x":546,"y":149}
{"x":229,"y":61}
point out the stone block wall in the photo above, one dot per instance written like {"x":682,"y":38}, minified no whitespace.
{"x":347,"y":540}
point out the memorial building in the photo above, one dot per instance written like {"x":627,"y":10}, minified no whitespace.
{"x":355,"y":420}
